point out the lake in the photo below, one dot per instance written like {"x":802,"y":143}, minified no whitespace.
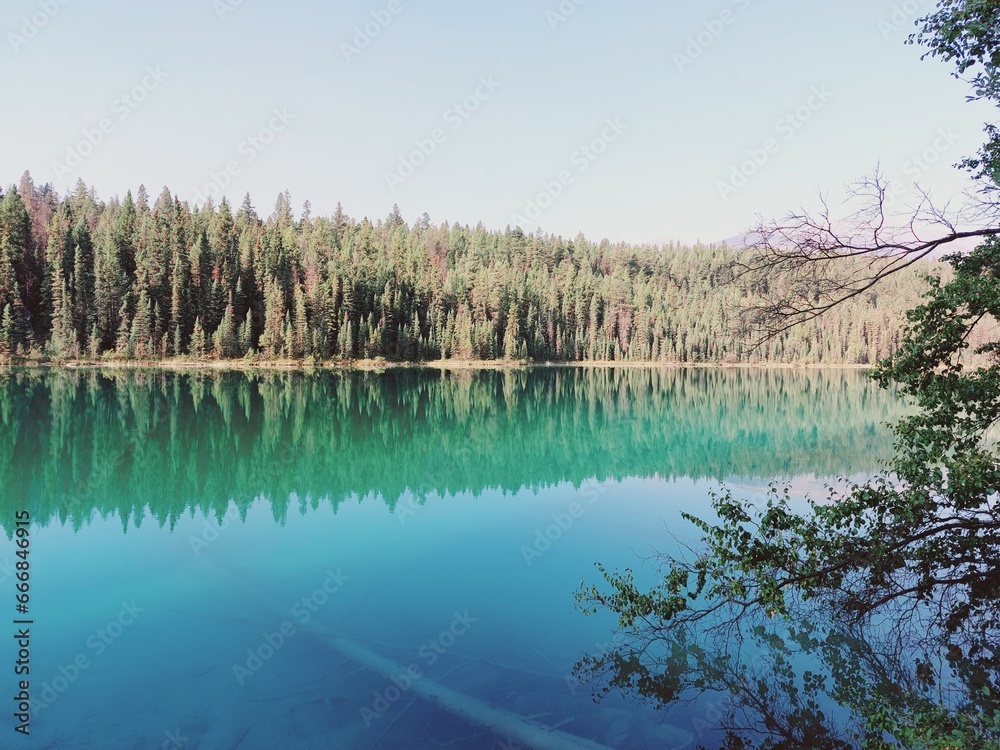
{"x":374,"y":560}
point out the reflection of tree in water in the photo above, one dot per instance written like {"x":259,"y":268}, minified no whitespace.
{"x":870,"y":620}
{"x":813,"y":680}
{"x":160,"y":444}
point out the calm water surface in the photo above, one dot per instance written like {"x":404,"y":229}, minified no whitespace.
{"x":204,"y":546}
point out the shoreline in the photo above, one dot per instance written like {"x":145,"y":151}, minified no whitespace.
{"x":367,"y":365}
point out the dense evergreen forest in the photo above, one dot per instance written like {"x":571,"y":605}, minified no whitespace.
{"x":135,"y":279}
{"x":163,"y":444}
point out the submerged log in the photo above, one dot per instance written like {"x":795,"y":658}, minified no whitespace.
{"x":503,"y":723}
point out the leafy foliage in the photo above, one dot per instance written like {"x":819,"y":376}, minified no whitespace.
{"x":902,"y":568}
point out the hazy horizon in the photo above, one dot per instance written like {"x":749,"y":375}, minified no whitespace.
{"x":631,"y":122}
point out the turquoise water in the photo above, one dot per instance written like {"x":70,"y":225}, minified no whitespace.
{"x":224,"y":561}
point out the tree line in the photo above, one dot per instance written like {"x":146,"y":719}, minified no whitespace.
{"x":141,"y":279}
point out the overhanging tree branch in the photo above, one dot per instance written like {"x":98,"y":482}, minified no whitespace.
{"x":809,"y":263}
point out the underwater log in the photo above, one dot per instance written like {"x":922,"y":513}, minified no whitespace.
{"x":505,"y":724}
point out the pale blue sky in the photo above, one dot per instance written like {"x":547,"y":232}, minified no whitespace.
{"x":353,"y":121}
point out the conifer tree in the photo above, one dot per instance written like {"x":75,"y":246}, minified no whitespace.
{"x":198,"y":340}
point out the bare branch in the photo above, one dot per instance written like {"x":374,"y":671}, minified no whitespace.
{"x":797,"y":269}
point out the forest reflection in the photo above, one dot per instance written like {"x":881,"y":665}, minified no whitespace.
{"x":814,"y":680}
{"x":160,"y":444}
